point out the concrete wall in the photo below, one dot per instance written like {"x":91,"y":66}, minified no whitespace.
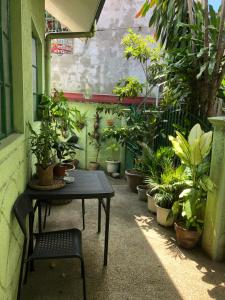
{"x":26,"y":16}
{"x":98,"y":63}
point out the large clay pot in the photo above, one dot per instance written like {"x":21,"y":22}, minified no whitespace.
{"x":186,"y":238}
{"x":163,"y":217}
{"x":45,"y":175}
{"x":142,"y":190}
{"x":112,"y":166}
{"x":151,"y":202}
{"x":134,"y":178}
{"x":93,"y":165}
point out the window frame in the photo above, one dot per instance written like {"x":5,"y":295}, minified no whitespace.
{"x":5,"y":131}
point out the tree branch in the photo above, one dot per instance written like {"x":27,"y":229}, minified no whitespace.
{"x":220,"y":41}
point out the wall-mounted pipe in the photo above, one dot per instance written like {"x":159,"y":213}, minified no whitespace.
{"x":58,"y":35}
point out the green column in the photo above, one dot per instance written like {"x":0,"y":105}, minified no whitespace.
{"x":213,"y":241}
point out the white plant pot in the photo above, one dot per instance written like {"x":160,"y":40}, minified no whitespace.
{"x":112,"y":166}
{"x":151,"y":203}
{"x":162,"y":216}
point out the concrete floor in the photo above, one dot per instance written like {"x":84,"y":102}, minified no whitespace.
{"x":144,"y":260}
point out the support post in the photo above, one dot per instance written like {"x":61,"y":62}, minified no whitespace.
{"x":213,"y":241}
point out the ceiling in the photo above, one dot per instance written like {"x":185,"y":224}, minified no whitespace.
{"x":77,"y":15}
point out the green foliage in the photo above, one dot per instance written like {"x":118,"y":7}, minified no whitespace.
{"x":113,"y":148}
{"x":42,"y":143}
{"x":95,"y":137}
{"x":153,"y":163}
{"x":193,"y":154}
{"x":128,"y":87}
{"x":140,"y":127}
{"x":57,"y":111}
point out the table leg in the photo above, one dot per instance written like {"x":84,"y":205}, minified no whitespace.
{"x":99,"y":215}
{"x":107,"y":213}
{"x":39,"y":217}
{"x":83,"y":213}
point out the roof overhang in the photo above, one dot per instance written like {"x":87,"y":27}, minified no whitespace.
{"x":77,"y":15}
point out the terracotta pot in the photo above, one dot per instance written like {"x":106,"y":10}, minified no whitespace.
{"x":151,"y":202}
{"x":93,"y":166}
{"x":163,"y":217}
{"x":112,"y":166}
{"x":110,"y":122}
{"x":60,"y":170}
{"x":45,"y":175}
{"x":134,"y":178}
{"x":142,"y":190}
{"x":186,"y":238}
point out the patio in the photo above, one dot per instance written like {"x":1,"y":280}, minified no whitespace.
{"x":144,"y":259}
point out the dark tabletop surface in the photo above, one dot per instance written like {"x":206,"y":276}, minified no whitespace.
{"x":87,"y":184}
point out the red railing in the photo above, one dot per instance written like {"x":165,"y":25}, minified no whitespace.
{"x":96,"y":98}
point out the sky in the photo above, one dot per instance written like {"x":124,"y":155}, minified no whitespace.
{"x":215,"y":3}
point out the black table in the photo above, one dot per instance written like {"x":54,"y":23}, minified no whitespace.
{"x":87,"y":185}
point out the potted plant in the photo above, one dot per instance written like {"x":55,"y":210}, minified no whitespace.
{"x":142,"y":192}
{"x":112,"y":164}
{"x":189,"y":208}
{"x":42,"y":143}
{"x":96,"y":141}
{"x":81,"y":119}
{"x":168,"y":188}
{"x":151,"y":201}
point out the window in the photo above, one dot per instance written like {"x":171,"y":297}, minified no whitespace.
{"x":6,"y":104}
{"x":35,"y":78}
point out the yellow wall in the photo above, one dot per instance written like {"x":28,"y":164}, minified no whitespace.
{"x":27,"y":18}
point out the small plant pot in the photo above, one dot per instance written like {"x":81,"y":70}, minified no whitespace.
{"x":93,"y":166}
{"x":163,"y":217}
{"x":112,"y":166}
{"x":74,"y":162}
{"x":45,"y":175}
{"x":151,"y":202}
{"x":110,"y":122}
{"x":187,"y":239}
{"x":134,"y":178}
{"x":60,"y":170}
{"x":142,"y":189}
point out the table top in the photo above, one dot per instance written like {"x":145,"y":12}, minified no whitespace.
{"x":86,"y":185}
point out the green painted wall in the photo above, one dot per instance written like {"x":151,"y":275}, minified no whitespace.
{"x":89,"y":152}
{"x":26,"y":16}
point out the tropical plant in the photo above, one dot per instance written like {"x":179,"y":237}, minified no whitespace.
{"x":42,"y":143}
{"x":193,"y":34}
{"x":128,"y":87}
{"x":193,"y":155}
{"x":113,"y":149}
{"x":153,"y":163}
{"x":148,"y":53}
{"x":80,"y":119}
{"x":56,"y":110}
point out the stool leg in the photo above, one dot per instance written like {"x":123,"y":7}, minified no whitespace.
{"x":83,"y":213}
{"x":83,"y":276}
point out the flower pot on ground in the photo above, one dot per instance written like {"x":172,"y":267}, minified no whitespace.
{"x":164,"y":216}
{"x":134,"y":178}
{"x":187,"y":239}
{"x":151,"y":201}
{"x":112,"y":164}
{"x":142,"y":192}
{"x":93,"y":165}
